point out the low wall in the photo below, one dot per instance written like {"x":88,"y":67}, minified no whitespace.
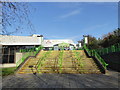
{"x":7,"y":65}
{"x":18,"y":56}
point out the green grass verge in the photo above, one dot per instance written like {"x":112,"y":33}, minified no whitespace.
{"x":8,"y":71}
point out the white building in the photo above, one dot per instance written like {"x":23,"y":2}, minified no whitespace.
{"x":9,"y":45}
{"x":20,"y":40}
{"x":55,"y":44}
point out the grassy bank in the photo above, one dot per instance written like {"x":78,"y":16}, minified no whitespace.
{"x":8,"y":71}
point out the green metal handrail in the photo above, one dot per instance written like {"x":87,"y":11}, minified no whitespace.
{"x":113,"y":48}
{"x":30,"y":49}
{"x":40,"y":62}
{"x":24,"y":57}
{"x":27,"y":54}
{"x":77,"y":55}
{"x":96,"y":55}
{"x":88,"y":51}
{"x":60,"y":59}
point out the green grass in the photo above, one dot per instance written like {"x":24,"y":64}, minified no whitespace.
{"x":8,"y":71}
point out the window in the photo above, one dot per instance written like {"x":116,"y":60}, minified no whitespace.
{"x":8,"y":54}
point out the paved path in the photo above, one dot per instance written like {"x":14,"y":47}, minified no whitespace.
{"x":109,"y":80}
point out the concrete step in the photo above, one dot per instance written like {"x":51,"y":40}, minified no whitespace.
{"x":64,"y":70}
{"x":80,"y":72}
{"x":69,"y":64}
{"x":27,"y":68}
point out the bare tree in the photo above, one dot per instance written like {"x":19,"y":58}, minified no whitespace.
{"x":15,"y":15}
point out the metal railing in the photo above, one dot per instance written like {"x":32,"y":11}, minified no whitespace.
{"x":96,"y":55}
{"x":40,"y":62}
{"x":60,"y":60}
{"x":113,"y":48}
{"x":27,"y":54}
{"x":30,"y":49}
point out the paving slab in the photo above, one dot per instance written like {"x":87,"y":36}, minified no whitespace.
{"x":108,"y":80}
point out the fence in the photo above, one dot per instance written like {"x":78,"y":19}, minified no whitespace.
{"x":113,"y":48}
{"x":96,"y":55}
{"x":26,"y":55}
{"x":29,"y":49}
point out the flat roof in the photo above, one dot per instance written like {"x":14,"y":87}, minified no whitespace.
{"x":19,"y":40}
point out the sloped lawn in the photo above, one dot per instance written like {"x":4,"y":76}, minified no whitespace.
{"x":8,"y":71}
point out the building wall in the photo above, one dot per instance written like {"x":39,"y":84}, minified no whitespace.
{"x":8,"y":65}
{"x":0,"y":54}
{"x":20,"y":40}
{"x":17,"y":56}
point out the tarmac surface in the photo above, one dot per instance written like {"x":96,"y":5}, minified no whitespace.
{"x":108,"y":80}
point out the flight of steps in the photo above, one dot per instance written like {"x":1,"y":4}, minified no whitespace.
{"x":29,"y":65}
{"x":69,"y":64}
{"x":51,"y":63}
{"x":89,"y":65}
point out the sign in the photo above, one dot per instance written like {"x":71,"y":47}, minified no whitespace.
{"x":48,"y":42}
